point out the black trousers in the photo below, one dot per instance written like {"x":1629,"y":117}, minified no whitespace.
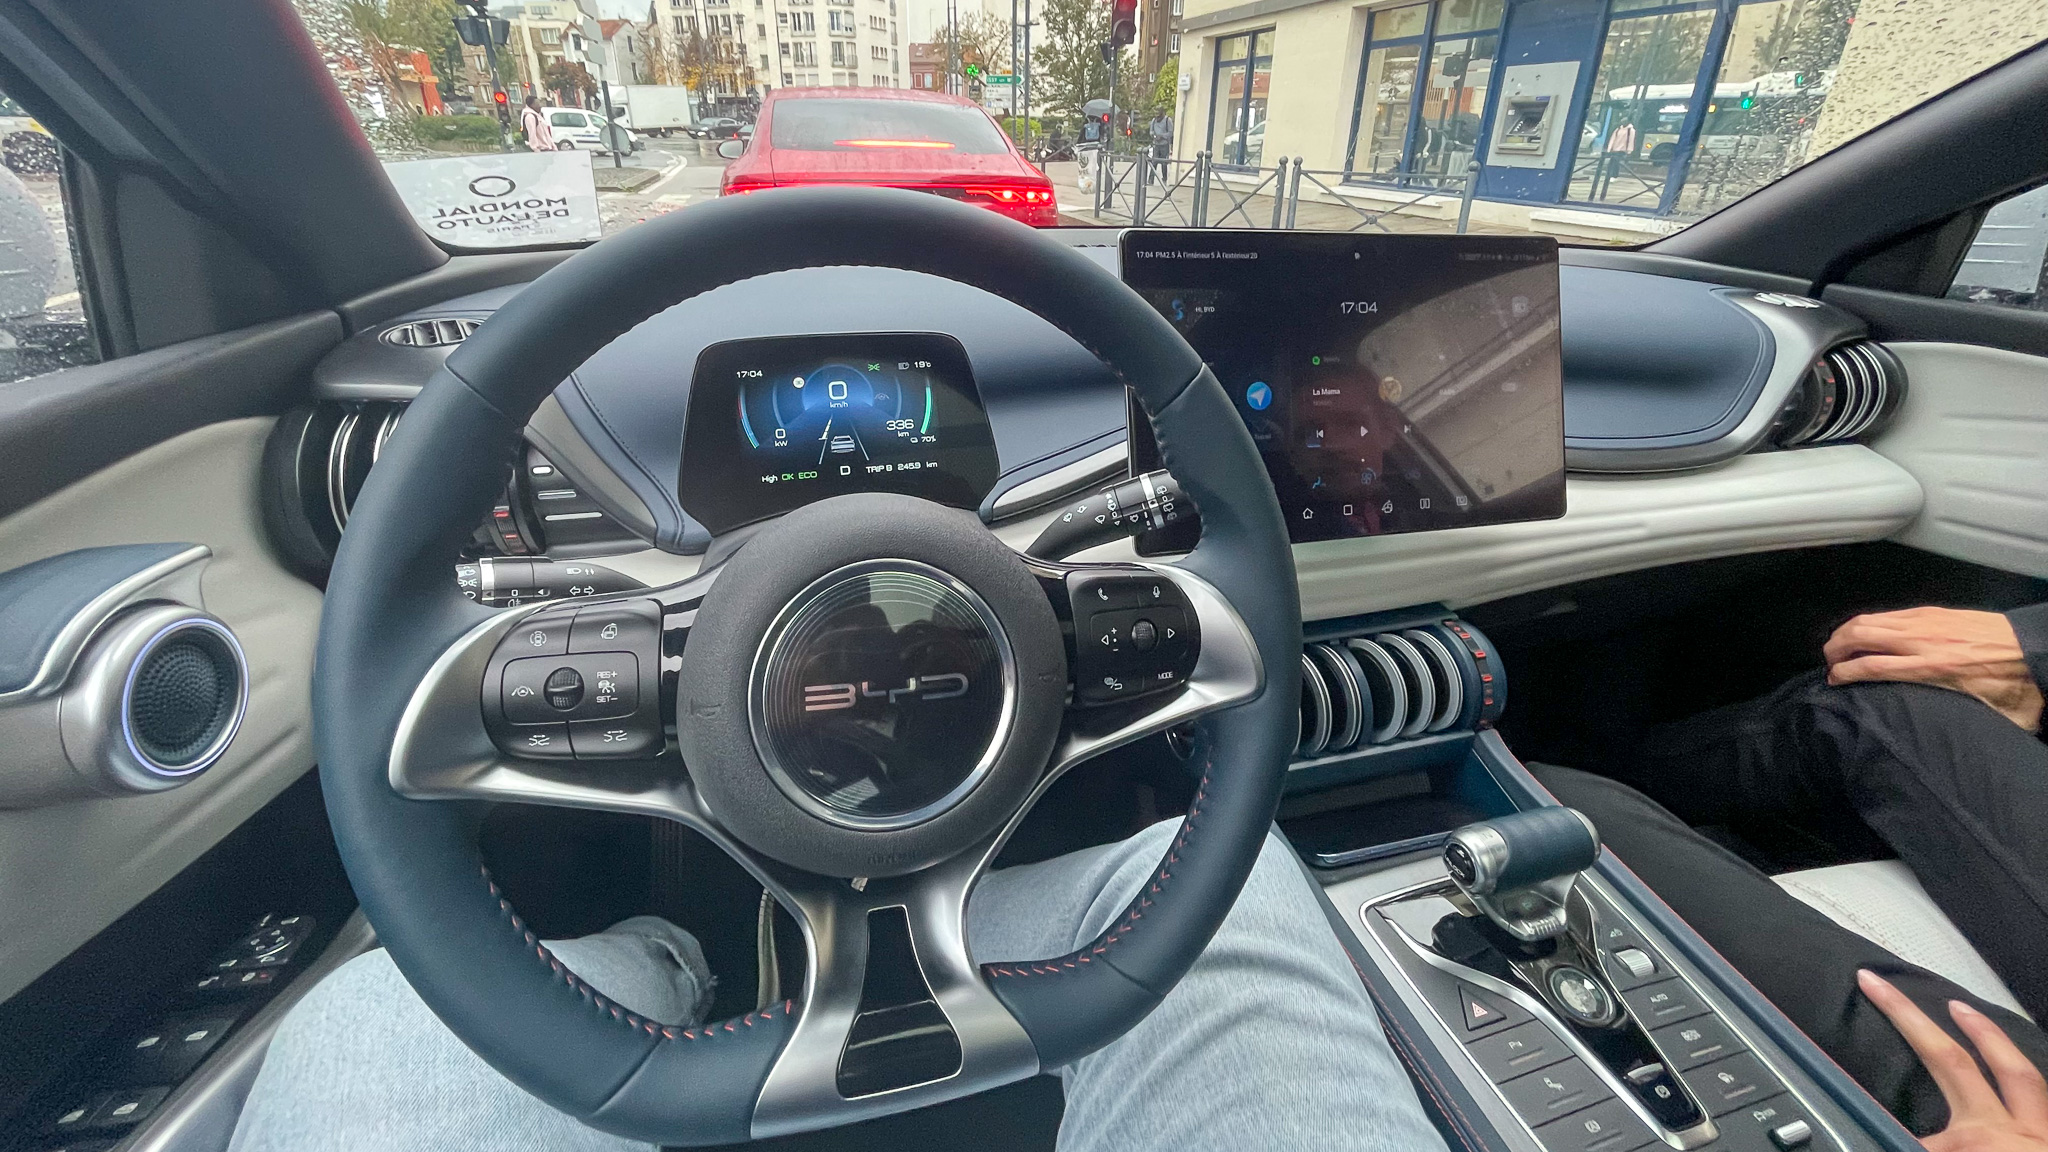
{"x":1956,"y":791}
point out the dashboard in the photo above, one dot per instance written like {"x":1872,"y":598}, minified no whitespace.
{"x":1694,"y":417}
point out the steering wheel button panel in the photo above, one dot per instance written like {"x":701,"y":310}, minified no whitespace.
{"x":1133,"y":635}
{"x":545,"y":701}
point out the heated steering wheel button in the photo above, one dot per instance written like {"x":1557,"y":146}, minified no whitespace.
{"x":632,"y":626}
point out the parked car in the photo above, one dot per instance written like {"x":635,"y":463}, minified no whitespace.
{"x":717,"y":128}
{"x":894,"y":137}
{"x":590,"y":131}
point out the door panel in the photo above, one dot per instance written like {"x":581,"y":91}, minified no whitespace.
{"x":73,"y":868}
{"x":1974,"y":431}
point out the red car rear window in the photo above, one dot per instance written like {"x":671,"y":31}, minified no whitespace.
{"x":825,"y":125}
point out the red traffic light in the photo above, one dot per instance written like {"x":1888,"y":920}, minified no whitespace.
{"x":499,"y":97}
{"x":1123,"y":22}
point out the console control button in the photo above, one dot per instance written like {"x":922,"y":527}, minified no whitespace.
{"x":1797,"y":1134}
{"x":1778,"y":1124}
{"x":1523,"y":1048}
{"x":1484,"y":1010}
{"x":1731,"y":1083}
{"x":1559,"y":1090}
{"x":1701,"y":1040}
{"x":1667,"y":1002}
{"x":1635,"y":962}
{"x":1605,"y":1127}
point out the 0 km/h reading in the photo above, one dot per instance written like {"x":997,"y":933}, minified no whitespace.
{"x":845,"y":418}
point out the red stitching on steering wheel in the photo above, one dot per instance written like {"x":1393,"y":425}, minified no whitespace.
{"x":598,"y":1000}
{"x":1136,"y":912}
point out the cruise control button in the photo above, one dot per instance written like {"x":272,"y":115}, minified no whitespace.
{"x":633,"y":626}
{"x":1523,"y":1048}
{"x":1668,"y":1002}
{"x":1605,"y":1127}
{"x":1732,"y":1083}
{"x":1698,"y":1041}
{"x":1559,"y":1090}
{"x":541,"y":741}
{"x":564,"y":689}
{"x":546,"y":635}
{"x":613,"y":740}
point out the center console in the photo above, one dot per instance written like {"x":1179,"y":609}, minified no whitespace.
{"x":1544,"y":1000}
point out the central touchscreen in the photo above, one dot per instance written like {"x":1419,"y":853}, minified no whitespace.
{"x":780,"y":422}
{"x":1391,"y":383}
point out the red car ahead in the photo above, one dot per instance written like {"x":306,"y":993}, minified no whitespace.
{"x":894,"y":138}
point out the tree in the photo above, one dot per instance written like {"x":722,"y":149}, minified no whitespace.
{"x":1067,"y":71}
{"x":391,"y":30}
{"x":570,"y":81}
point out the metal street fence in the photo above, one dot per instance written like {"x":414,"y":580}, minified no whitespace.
{"x":1201,"y":193}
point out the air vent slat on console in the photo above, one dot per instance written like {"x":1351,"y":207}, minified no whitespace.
{"x":436,"y":333}
{"x":1398,"y":684}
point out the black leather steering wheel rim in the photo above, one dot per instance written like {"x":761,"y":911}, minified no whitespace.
{"x":391,"y":611}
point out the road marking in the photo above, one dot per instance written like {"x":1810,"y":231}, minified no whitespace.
{"x":658,"y":185}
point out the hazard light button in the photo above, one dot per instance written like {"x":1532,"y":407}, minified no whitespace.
{"x":1484,"y":1010}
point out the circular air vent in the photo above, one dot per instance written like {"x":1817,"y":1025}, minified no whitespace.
{"x":1851,"y":391}
{"x":438,"y":333}
{"x":183,"y":697}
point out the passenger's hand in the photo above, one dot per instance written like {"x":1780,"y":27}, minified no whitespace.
{"x":1975,"y":653}
{"x":1978,"y":1119}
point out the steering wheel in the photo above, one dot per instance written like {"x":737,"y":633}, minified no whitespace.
{"x":861,"y":838}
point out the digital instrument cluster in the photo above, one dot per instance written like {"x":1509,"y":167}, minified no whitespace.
{"x":780,"y":422}
{"x":1391,"y":383}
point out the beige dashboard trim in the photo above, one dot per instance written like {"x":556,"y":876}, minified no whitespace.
{"x":1754,"y":503}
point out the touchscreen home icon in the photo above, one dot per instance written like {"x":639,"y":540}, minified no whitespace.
{"x":1259,"y":396}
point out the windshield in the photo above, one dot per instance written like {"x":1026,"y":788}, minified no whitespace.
{"x":1594,"y":121}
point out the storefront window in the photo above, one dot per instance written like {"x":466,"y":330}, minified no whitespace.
{"x":1237,"y":109}
{"x":1642,"y":90}
{"x":1422,"y":90}
{"x":1775,"y":74}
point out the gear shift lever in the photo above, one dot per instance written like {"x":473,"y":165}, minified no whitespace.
{"x":1518,"y":869}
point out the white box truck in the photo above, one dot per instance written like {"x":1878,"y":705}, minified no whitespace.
{"x":656,"y":109}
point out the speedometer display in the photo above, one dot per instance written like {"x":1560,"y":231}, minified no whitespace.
{"x":777,"y":423}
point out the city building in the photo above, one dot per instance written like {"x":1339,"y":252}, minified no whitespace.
{"x":927,"y":66}
{"x":1158,"y":35}
{"x":1603,"y":119}
{"x":625,"y":44}
{"x":734,"y":51}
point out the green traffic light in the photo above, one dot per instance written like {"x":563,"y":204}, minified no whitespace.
{"x":1746,"y":103}
{"x":1315,"y":360}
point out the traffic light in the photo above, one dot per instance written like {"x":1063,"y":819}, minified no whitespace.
{"x":973,"y":69}
{"x":1747,"y":102}
{"x":504,"y":107}
{"x":1123,"y":22}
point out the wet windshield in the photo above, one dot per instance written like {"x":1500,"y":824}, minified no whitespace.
{"x":1596,"y":121}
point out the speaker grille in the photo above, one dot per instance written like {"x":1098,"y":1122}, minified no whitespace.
{"x":183,"y":696}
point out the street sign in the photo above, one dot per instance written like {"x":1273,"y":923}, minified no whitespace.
{"x":998,"y":78}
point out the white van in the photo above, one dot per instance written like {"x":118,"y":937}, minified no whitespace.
{"x":590,"y":131}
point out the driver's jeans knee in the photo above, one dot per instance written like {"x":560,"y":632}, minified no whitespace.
{"x":1270,"y":1041}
